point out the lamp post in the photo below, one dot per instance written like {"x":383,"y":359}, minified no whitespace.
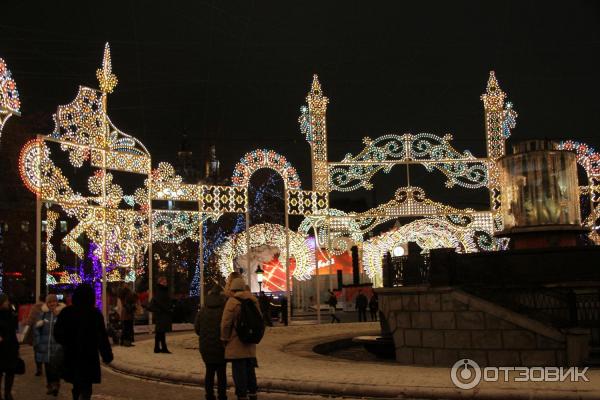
{"x":259,"y":277}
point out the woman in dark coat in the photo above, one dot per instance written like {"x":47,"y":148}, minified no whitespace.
{"x":162,"y":308}
{"x":9,"y":345}
{"x":208,"y":329}
{"x":81,"y":331}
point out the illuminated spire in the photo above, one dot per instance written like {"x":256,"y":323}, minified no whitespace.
{"x":317,"y":103}
{"x":106,"y":78}
{"x":493,"y":98}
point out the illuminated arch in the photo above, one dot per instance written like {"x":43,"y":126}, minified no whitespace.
{"x":428,"y":233}
{"x":270,"y":235}
{"x":587,"y":156}
{"x":263,"y":158}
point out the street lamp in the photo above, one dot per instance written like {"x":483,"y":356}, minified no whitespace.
{"x":259,"y":277}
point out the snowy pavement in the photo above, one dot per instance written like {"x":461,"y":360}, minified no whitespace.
{"x":287,"y":363}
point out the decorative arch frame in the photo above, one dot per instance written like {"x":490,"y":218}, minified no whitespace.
{"x":269,"y":235}
{"x":263,"y":158}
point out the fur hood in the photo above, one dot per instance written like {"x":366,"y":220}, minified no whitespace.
{"x":59,"y":308}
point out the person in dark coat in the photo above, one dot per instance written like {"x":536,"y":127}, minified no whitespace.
{"x":81,"y":331}
{"x":332,"y":303}
{"x":126,"y":307}
{"x":374,"y":306}
{"x":9,"y":345}
{"x":361,"y":305}
{"x":208,"y":329}
{"x":265,"y":308}
{"x":162,"y":308}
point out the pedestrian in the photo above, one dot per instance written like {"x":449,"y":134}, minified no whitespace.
{"x":126,"y":306}
{"x":9,"y":346}
{"x":332,"y":303}
{"x":265,"y":308}
{"x":208,"y":329}
{"x":162,"y":308}
{"x":361,"y":306}
{"x":81,"y":331}
{"x":374,"y":306}
{"x":242,"y":355}
{"x":47,"y":351}
{"x":32,"y":318}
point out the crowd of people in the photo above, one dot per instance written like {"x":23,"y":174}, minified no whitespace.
{"x":70,"y":341}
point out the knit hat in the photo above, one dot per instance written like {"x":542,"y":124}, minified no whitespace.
{"x":237,"y":285}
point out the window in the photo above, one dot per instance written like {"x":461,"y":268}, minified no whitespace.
{"x":25,"y":226}
{"x":63,"y":226}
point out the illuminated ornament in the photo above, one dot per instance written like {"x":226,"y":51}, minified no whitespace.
{"x":106,"y":78}
{"x":9,"y":95}
{"x":262,"y":158}
{"x":269,"y":235}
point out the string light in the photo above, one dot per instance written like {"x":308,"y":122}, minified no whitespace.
{"x":262,"y":158}
{"x":9,"y":95}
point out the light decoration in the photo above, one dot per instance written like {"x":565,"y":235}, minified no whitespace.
{"x":9,"y":95}
{"x":333,"y":234}
{"x":589,"y":159}
{"x":313,"y":125}
{"x":271,"y":235}
{"x":262,"y":158}
{"x":500,"y":118}
{"x":51,"y":263}
{"x":106,"y":78}
{"x":428,"y":233}
{"x":383,"y":153}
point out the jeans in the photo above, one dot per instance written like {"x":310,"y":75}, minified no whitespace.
{"x":209,"y":381}
{"x":244,"y":376}
{"x":82,"y":391}
{"x":160,"y":341}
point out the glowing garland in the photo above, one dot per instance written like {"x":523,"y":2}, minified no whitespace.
{"x":259,"y":159}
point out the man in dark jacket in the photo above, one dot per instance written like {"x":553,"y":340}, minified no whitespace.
{"x":81,"y":331}
{"x":208,"y":329}
{"x":332,"y":303}
{"x":162,"y":308}
{"x":9,"y":345}
{"x":361,"y":305}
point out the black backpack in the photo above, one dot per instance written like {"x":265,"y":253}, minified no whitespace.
{"x":250,"y":326}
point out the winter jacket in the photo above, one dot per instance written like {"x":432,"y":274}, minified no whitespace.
{"x":32,"y":318}
{"x":44,"y":344}
{"x":82,"y":333}
{"x":208,"y":329}
{"x":9,"y":346}
{"x":234,"y":347}
{"x":162,"y":308}
{"x":332,"y":301}
{"x":361,"y":302}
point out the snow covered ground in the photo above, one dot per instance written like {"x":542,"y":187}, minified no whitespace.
{"x":287,"y":362}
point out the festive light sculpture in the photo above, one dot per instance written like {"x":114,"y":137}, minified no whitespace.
{"x":9,"y":95}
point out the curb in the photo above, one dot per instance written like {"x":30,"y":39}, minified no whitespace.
{"x":356,"y":390}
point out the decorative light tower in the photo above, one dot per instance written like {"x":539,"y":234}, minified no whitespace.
{"x":9,"y":95}
{"x":500,"y":118}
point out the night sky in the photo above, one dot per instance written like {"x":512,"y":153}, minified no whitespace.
{"x":236,"y":73}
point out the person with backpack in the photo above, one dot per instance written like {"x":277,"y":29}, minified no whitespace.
{"x":208,"y":329}
{"x":242,"y":328}
{"x":332,"y":303}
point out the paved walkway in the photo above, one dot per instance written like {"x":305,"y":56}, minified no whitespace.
{"x":287,"y":363}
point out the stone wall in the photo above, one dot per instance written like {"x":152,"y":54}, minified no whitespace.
{"x":439,"y":326}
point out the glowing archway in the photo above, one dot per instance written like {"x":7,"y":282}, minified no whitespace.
{"x":428,"y":233}
{"x":269,"y":235}
{"x":263,"y":158}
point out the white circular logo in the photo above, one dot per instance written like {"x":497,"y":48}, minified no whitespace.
{"x":465,"y":374}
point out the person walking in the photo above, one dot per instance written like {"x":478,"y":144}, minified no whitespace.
{"x":361,"y":305}
{"x":9,"y":346}
{"x":374,"y":306}
{"x":32,"y":318}
{"x":208,"y":329}
{"x":332,"y":303}
{"x":162,"y":308}
{"x":242,"y":355}
{"x":81,"y":331}
{"x":47,"y":351}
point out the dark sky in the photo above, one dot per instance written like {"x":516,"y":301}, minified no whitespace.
{"x":237,"y":72}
